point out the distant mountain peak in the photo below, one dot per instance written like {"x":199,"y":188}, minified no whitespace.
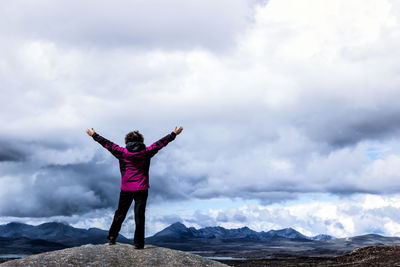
{"x":180,"y":231}
{"x":56,"y":232}
{"x":54,"y":223}
{"x":177,"y":230}
{"x":15,"y":223}
{"x":285,"y":233}
{"x":178,"y":224}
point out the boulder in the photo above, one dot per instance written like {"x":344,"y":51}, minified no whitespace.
{"x":114,"y":255}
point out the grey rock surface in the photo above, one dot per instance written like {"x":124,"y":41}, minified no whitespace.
{"x":115,"y":255}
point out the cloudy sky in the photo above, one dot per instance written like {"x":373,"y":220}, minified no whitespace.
{"x":290,"y":112}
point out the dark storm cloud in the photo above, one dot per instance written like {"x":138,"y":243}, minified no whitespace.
{"x":349,"y":189}
{"x":164,"y":188}
{"x":172,"y":186}
{"x":101,"y":179}
{"x":349,"y":125}
{"x":63,"y":190}
{"x":18,"y":150}
{"x":12,"y":151}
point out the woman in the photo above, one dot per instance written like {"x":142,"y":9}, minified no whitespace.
{"x":134,"y":163}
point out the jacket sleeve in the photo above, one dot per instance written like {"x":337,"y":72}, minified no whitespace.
{"x":155,"y":147}
{"x":115,"y":149}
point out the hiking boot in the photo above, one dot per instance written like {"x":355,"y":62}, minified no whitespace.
{"x":139,"y":246}
{"x":111,"y":240}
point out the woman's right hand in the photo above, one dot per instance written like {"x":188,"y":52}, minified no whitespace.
{"x":90,"y":132}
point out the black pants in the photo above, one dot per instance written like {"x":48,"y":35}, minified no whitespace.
{"x":125,"y":201}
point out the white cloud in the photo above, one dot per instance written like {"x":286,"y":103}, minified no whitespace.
{"x":340,"y":217}
{"x":175,"y":24}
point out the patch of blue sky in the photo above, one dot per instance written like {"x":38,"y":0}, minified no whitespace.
{"x":373,"y":153}
{"x":376,"y":151}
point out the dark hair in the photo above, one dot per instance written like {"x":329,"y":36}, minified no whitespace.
{"x":134,"y":136}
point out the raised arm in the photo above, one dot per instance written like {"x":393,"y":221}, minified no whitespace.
{"x":115,"y":149}
{"x":155,"y":147}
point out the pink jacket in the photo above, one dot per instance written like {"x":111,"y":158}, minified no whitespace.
{"x":134,"y":163}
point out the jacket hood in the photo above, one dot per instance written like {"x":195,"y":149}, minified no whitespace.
{"x":135,"y":146}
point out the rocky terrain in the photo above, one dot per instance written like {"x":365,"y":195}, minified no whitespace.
{"x":117,"y":255}
{"x":367,"y":256}
{"x":248,"y":247}
{"x":246,"y":243}
{"x":126,"y":255}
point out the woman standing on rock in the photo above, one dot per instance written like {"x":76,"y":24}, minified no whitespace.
{"x":134,"y":163}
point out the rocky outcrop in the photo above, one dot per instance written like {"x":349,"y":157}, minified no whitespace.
{"x":116,"y":255}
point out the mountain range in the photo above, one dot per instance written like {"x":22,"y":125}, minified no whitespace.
{"x":19,"y":238}
{"x":180,"y":231}
{"x":246,"y":243}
